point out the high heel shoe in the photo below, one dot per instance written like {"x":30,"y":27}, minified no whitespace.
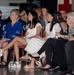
{"x":33,"y":56}
{"x":45,"y":68}
{"x":43,"y":62}
{"x":42,"y":68}
{"x":38,"y":63}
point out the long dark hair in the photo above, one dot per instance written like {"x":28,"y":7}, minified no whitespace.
{"x":54,"y":21}
{"x":35,"y":18}
{"x":57,"y":18}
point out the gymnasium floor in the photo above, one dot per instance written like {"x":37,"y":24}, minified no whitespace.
{"x":13,"y":71}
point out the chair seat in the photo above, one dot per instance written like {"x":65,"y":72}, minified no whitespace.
{"x":22,"y":46}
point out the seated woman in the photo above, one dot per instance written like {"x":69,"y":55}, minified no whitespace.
{"x":35,"y":44}
{"x":13,"y":29}
{"x":69,"y":46}
{"x":33,"y":31}
{"x":50,"y":44}
{"x":59,"y":57}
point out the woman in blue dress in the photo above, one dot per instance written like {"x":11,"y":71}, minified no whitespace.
{"x":13,"y":29}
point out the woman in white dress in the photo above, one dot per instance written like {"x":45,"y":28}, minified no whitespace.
{"x":36,"y":43}
{"x":33,"y":31}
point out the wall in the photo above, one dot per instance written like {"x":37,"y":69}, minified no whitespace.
{"x":6,"y":2}
{"x":73,"y":5}
{"x":65,"y":5}
{"x":4,"y":5}
{"x":50,"y":4}
{"x":5,"y":8}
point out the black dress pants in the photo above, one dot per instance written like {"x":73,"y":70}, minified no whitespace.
{"x":48,"y":47}
{"x":69,"y":49}
{"x":60,"y":55}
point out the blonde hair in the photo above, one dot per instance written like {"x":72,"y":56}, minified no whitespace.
{"x":71,"y":14}
{"x":16,"y":11}
{"x":23,"y":13}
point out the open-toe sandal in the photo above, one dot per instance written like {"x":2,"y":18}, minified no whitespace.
{"x":4,"y":63}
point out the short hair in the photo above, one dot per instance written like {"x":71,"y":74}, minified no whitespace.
{"x":71,"y":14}
{"x":23,"y":13}
{"x":16,"y":11}
{"x":45,"y":9}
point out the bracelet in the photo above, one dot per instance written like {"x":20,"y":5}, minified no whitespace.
{"x":65,"y":37}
